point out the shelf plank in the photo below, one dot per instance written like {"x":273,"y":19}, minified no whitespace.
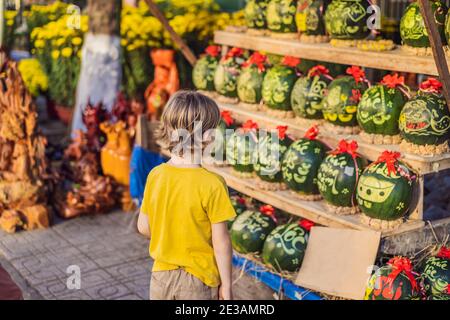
{"x":421,"y":164}
{"x":311,"y":210}
{"x":395,"y":60}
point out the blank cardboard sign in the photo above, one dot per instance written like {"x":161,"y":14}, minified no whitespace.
{"x":337,"y":261}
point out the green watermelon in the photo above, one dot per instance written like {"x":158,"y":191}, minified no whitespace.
{"x":436,"y":274}
{"x":380,"y":106}
{"x":255,"y":14}
{"x":204,"y":69}
{"x":341,"y":101}
{"x":338,"y":175}
{"x":228,"y":71}
{"x":268,"y":165}
{"x":285,"y":247}
{"x":394,"y":281}
{"x":300,"y":164}
{"x":315,"y":24}
{"x":281,"y":16}
{"x":385,"y":188}
{"x":278,"y":83}
{"x":241,"y":147}
{"x":239,"y":205}
{"x":226,"y":123}
{"x":249,"y":231}
{"x":249,"y":83}
{"x":425,"y":119}
{"x":347,"y":19}
{"x":412,"y":26}
{"x":307,"y":94}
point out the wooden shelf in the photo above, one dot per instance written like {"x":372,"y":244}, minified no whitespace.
{"x":395,"y":60}
{"x":312,"y":210}
{"x":422,"y":164}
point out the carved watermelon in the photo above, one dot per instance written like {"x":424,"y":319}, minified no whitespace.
{"x":204,"y":69}
{"x":255,"y":14}
{"x":380,"y":106}
{"x":425,"y":119}
{"x":308,"y":92}
{"x":412,"y":27}
{"x":278,"y":84}
{"x":241,"y":147}
{"x":239,"y":205}
{"x":281,"y":16}
{"x":394,"y":281}
{"x":338,"y":175}
{"x":436,"y":274}
{"x":315,"y":24}
{"x":249,"y":84}
{"x":300,"y":164}
{"x":228,"y":71}
{"x":340,"y":104}
{"x":347,"y":19}
{"x":285,"y":247}
{"x":385,"y":188}
{"x":249,"y":231}
{"x":271,"y":148}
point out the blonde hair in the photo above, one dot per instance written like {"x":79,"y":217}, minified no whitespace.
{"x":184,"y":110}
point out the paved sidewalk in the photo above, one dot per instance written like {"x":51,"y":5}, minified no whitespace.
{"x":112,"y":257}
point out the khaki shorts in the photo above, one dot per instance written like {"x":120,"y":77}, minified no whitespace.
{"x":179,"y":285}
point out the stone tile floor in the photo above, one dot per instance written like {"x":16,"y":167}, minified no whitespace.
{"x":112,"y":257}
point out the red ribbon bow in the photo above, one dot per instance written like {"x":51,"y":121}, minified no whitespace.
{"x":249,"y":125}
{"x":348,"y":147}
{"x":448,"y":289}
{"x":257,"y":59}
{"x":241,"y":201}
{"x":318,"y":70}
{"x":213,"y":51}
{"x":234,"y":52}
{"x":268,"y":210}
{"x":312,"y":133}
{"x":431,"y":85}
{"x":390,"y":158}
{"x":444,"y":253}
{"x":356,"y":96}
{"x":399,"y":265}
{"x":306,"y":224}
{"x":226,"y":117}
{"x":357,"y":73}
{"x":393,"y":80}
{"x":282,"y":132}
{"x":292,"y":62}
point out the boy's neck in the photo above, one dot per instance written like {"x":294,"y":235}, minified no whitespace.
{"x":183,"y":162}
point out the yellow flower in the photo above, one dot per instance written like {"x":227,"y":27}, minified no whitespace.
{"x":66,"y":52}
{"x":60,"y":41}
{"x":9,"y":22}
{"x":77,"y":41}
{"x":39,"y":43}
{"x":55,"y":54}
{"x":79,"y":54}
{"x":123,"y":42}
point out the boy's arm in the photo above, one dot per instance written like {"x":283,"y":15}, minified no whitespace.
{"x":142,"y":225}
{"x":223,"y":253}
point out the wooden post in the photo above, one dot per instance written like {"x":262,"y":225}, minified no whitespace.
{"x":187,"y":52}
{"x":436,"y":47}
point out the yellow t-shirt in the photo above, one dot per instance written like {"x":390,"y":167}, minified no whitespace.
{"x":181,"y":204}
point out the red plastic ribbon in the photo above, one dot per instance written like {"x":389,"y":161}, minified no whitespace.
{"x":318,"y":70}
{"x":431,"y":85}
{"x":249,"y":125}
{"x":357,"y":73}
{"x":268,"y":210}
{"x":448,"y":289}
{"x":306,"y":224}
{"x":226,"y":117}
{"x":257,"y":59}
{"x":213,"y":51}
{"x":241,"y":201}
{"x":234,"y":52}
{"x":292,"y":62}
{"x":444,"y":253}
{"x":390,"y":158}
{"x":393,"y":81}
{"x":356,"y":96}
{"x":312,"y":133}
{"x":347,"y":147}
{"x":282,"y":132}
{"x":399,"y":265}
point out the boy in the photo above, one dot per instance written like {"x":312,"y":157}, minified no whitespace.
{"x":186,"y":208}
